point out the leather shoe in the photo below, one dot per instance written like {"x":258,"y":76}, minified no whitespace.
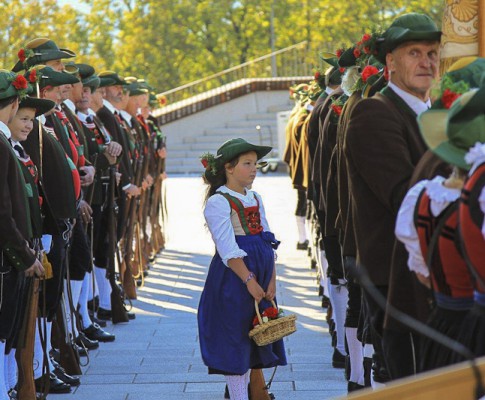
{"x":99,"y":322}
{"x":353,"y":386}
{"x":103,"y":314}
{"x":55,"y":384}
{"x":131,"y":315}
{"x":63,"y":375}
{"x":94,"y":332}
{"x":338,"y":359}
{"x":83,"y":340}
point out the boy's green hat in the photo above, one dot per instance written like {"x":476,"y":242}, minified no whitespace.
{"x":407,"y":28}
{"x":38,"y":51}
{"x":41,"y":106}
{"x":47,"y":76}
{"x":12,"y":85}
{"x":451,"y":133}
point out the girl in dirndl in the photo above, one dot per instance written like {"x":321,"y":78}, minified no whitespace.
{"x":241,"y":271}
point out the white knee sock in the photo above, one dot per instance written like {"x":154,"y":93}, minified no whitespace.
{"x":301,"y":225}
{"x":368,"y":350}
{"x":104,"y":288}
{"x":75,"y":292}
{"x":356,"y":353}
{"x":11,"y":370}
{"x":49,"y":345}
{"x":339,"y":297}
{"x":83,"y":301}
{"x":323,"y":266}
{"x":3,"y":383}
{"x":238,"y":387}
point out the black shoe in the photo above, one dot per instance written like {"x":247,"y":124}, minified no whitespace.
{"x":94,"y":332}
{"x":104,"y":314}
{"x":302,"y":246}
{"x":226,"y":393}
{"x":82,"y":351}
{"x":83,"y":340}
{"x":338,"y":359}
{"x":325,"y":300}
{"x":99,"y":322}
{"x":55,"y":355}
{"x":55,"y":384}
{"x":353,"y":386}
{"x":131,"y":315}
{"x":65,"y":377}
{"x":93,"y":304}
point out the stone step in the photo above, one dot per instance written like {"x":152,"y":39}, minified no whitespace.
{"x":235,"y":132}
{"x":251,"y":123}
{"x":280,"y":107}
{"x":252,"y":137}
{"x":261,"y":116}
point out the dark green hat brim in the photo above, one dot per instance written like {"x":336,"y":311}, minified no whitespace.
{"x":50,"y":77}
{"x":347,"y":59}
{"x":374,"y":84}
{"x":112,"y":79}
{"x":234,"y":147}
{"x":330,"y":59}
{"x":41,"y":106}
{"x":92,"y":82}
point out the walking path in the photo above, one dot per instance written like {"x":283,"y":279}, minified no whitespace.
{"x":157,"y":355}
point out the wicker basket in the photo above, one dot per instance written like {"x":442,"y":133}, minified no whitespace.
{"x":273,"y":330}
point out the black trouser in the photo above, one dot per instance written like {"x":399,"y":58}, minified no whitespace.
{"x":333,"y":253}
{"x":401,"y":350}
{"x":355,"y":295}
{"x":301,"y":203}
{"x":80,"y":259}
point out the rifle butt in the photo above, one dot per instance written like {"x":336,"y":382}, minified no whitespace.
{"x":129,"y":283}
{"x":257,"y":385}
{"x":118,"y":312}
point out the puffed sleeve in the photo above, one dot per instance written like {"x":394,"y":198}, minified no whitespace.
{"x":217,"y":215}
{"x":481,"y":200}
{"x":406,"y":231}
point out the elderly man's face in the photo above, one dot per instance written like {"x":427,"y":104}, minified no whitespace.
{"x":413,"y":66}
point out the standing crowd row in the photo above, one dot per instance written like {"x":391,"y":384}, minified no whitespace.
{"x":388,"y":160}
{"x":82,"y":165}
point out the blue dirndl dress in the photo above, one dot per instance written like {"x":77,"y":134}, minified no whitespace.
{"x":226,"y":309}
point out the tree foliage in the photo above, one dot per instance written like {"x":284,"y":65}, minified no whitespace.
{"x":172,"y":42}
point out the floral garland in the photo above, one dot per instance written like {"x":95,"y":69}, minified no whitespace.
{"x":209,"y":161}
{"x":267,"y":315}
{"x":449,"y":91}
{"x":24,"y":54}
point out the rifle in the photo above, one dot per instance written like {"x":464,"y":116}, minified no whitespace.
{"x":25,"y":346}
{"x":69,"y":355}
{"x":128,"y":267}
{"x":157,"y":234}
{"x":257,"y":385}
{"x":118,"y":312}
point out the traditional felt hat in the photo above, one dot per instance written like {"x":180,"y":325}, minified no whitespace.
{"x":450,"y":133}
{"x":152,"y":100}
{"x":347,"y":59}
{"x":329,"y":58}
{"x":110,"y":78}
{"x":41,"y":105}
{"x":49,"y":77}
{"x":406,"y":28}
{"x":38,"y":51}
{"x":136,"y":86}
{"x":12,"y":85}
{"x":228,"y":152}
{"x":86,"y":75}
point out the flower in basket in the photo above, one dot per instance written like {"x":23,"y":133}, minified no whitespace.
{"x":268,"y":314}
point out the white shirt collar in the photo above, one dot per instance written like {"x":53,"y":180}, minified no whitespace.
{"x":109,"y":106}
{"x":91,"y":112}
{"x":41,"y":119}
{"x":6,"y":131}
{"x":417,"y":105}
{"x":126,"y":117}
{"x":70,"y":105}
{"x":82,"y":116}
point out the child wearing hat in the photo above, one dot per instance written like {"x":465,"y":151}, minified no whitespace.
{"x":241,"y":272}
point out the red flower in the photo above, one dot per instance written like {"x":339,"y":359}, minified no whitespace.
{"x":337,"y":109}
{"x":255,"y":320}
{"x":368,"y":72}
{"x":357,"y":53}
{"x":341,"y":70}
{"x":204,"y":162}
{"x":317,"y":75}
{"x":448,"y":98}
{"x":33,"y":76}
{"x":20,"y":83}
{"x":367,"y":50}
{"x":339,"y":53}
{"x":366,"y":37}
{"x":271,"y":313}
{"x":21,"y":55}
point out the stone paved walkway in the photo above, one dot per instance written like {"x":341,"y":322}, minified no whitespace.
{"x":157,"y":355}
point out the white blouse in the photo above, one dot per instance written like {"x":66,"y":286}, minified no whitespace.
{"x":217,"y":215}
{"x":405,"y":230}
{"x":475,"y":157}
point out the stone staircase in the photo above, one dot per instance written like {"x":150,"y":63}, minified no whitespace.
{"x":258,"y":128}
